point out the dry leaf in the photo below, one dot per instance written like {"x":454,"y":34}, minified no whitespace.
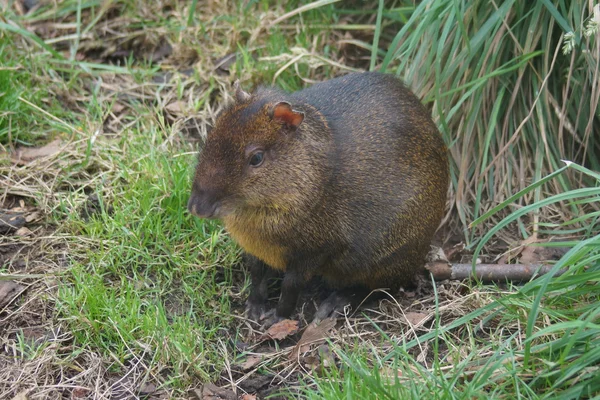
{"x":117,"y":108}
{"x":164,"y":50}
{"x":248,"y":397}
{"x":514,"y":253}
{"x":24,"y":231}
{"x":422,"y":356}
{"x":313,"y":333}
{"x":415,"y":318}
{"x":311,"y":362}
{"x":390,"y":373}
{"x":223,"y":64}
{"x":454,"y":251}
{"x":282,"y":329}
{"x":176,"y":107}
{"x":24,"y":155}
{"x":324,"y":359}
{"x":8,"y":291}
{"x":79,"y":393}
{"x":529,"y":255}
{"x":210,"y":391}
{"x":34,"y":216}
{"x":147,"y":389}
{"x":250,"y":362}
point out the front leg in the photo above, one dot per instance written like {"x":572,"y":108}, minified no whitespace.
{"x":291,"y":286}
{"x":260,"y":273}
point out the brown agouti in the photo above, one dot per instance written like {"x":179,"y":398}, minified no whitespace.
{"x":346,"y":180}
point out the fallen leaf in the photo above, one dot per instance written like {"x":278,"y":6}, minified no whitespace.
{"x":436,"y":254}
{"x":422,"y":356}
{"x":8,"y":291}
{"x":35,"y":334}
{"x":324,"y":359}
{"x":24,"y":155}
{"x":34,"y":216}
{"x":210,"y":391}
{"x":311,"y":362}
{"x":454,"y":251}
{"x":117,"y":108}
{"x":529,"y":255}
{"x":176,"y":107}
{"x":164,"y":50}
{"x":223,"y":64}
{"x":390,"y":373}
{"x":79,"y":393}
{"x":415,"y":318}
{"x":256,"y":383}
{"x":184,"y":55}
{"x":312,"y":334}
{"x":250,"y":362}
{"x":24,"y":231}
{"x":248,"y":397}
{"x":282,"y":329}
{"x":516,"y":252}
{"x":147,"y":389}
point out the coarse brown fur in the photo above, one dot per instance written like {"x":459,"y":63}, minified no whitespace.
{"x":353,"y":193}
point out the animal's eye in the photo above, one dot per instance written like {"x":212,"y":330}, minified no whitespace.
{"x":257,"y":158}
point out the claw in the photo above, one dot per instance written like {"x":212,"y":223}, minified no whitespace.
{"x":254,"y":311}
{"x":330,"y":306}
{"x":270,"y":318}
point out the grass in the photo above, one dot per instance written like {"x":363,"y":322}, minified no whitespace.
{"x":502,"y":93}
{"x":17,"y":126}
{"x":151,"y":277}
{"x":127,"y":295}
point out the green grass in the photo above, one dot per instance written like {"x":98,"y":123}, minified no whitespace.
{"x":17,"y":125}
{"x":149,"y":280}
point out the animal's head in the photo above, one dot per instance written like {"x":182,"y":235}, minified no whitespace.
{"x":251,"y":158}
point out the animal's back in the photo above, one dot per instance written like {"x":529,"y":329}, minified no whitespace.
{"x":389,"y":179}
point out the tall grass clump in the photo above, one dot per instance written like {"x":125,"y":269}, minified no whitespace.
{"x":514,"y":87}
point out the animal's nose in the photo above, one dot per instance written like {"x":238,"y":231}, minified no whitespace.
{"x":202,"y":205}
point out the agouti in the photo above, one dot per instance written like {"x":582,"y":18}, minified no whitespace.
{"x":346,"y":180}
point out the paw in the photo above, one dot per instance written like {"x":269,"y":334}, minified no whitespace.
{"x":271,"y":318}
{"x":330,"y":306}
{"x":254,"y":311}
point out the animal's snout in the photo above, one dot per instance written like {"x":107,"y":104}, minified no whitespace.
{"x":202,"y":204}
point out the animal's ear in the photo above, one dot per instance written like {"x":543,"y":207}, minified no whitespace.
{"x":240,"y":95}
{"x":283,"y":112}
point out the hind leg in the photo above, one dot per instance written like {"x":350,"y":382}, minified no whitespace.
{"x":339,"y":299}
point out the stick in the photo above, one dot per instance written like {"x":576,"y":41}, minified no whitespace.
{"x":488,"y":272}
